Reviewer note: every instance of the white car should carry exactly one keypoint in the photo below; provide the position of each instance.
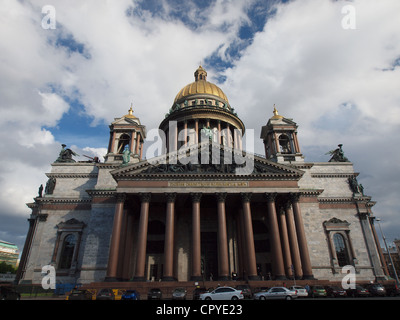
(276, 293)
(222, 293)
(301, 291)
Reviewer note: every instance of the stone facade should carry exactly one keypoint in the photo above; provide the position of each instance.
(133, 219)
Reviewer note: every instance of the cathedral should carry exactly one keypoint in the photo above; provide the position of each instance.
(203, 208)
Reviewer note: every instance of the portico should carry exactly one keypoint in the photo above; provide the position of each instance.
(207, 222)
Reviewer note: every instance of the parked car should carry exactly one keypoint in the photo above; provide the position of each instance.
(179, 294)
(317, 291)
(392, 290)
(154, 294)
(197, 292)
(80, 295)
(334, 291)
(276, 293)
(376, 289)
(359, 291)
(105, 294)
(246, 290)
(222, 293)
(130, 295)
(9, 293)
(301, 291)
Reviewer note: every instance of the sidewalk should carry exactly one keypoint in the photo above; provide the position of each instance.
(38, 297)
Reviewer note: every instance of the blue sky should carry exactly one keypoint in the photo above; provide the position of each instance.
(66, 85)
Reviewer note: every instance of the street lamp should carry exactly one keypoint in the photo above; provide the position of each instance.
(387, 249)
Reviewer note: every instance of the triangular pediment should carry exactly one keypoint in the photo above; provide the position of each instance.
(282, 121)
(215, 163)
(125, 121)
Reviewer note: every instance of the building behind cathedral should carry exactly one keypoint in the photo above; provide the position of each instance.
(205, 208)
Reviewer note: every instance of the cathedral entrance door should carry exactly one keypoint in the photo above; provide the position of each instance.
(209, 255)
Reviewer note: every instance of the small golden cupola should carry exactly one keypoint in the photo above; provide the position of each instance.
(126, 133)
(200, 74)
(130, 114)
(280, 139)
(276, 114)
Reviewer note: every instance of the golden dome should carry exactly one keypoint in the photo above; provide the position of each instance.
(130, 114)
(200, 86)
(276, 115)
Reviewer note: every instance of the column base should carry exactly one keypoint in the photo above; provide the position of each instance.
(196, 278)
(280, 277)
(309, 277)
(138, 279)
(254, 278)
(169, 279)
(111, 279)
(224, 278)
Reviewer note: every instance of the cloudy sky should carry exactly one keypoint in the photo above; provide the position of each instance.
(333, 69)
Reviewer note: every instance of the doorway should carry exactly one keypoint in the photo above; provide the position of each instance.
(209, 255)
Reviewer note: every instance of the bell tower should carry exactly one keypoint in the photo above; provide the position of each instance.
(126, 138)
(280, 139)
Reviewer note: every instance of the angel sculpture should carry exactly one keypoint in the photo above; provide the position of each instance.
(337, 155)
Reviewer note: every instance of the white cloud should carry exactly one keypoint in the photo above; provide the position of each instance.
(340, 86)
(99, 56)
(53, 108)
(307, 64)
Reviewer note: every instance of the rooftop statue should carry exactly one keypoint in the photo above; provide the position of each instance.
(337, 155)
(66, 155)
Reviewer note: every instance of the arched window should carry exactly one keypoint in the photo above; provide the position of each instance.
(123, 142)
(67, 251)
(284, 144)
(341, 250)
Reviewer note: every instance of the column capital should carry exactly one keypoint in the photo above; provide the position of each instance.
(121, 197)
(287, 205)
(270, 197)
(170, 196)
(196, 197)
(221, 196)
(294, 197)
(145, 197)
(246, 197)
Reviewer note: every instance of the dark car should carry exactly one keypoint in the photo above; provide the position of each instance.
(197, 292)
(105, 294)
(359, 291)
(130, 295)
(179, 294)
(317, 291)
(80, 295)
(334, 291)
(376, 289)
(154, 294)
(246, 290)
(392, 290)
(9, 293)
